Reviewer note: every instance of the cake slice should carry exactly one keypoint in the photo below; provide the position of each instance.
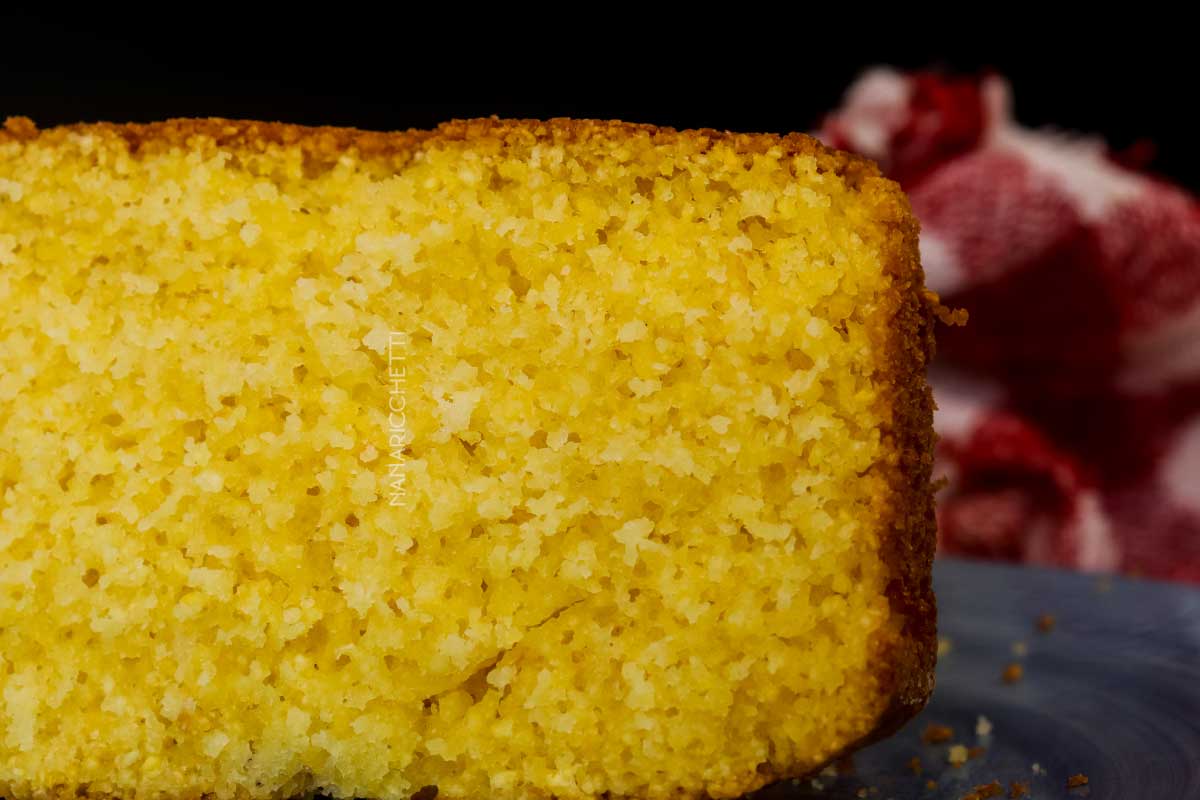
(511, 459)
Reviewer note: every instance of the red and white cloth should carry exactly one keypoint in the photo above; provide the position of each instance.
(1069, 405)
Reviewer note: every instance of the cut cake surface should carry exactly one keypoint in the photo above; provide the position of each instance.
(516, 459)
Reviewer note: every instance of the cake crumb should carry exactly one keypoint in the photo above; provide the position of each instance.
(957, 755)
(1038, 769)
(1045, 623)
(1013, 673)
(267, 360)
(1018, 789)
(983, 727)
(1020, 649)
(936, 734)
(955, 317)
(914, 765)
(931, 784)
(985, 790)
(1075, 781)
(944, 646)
(976, 751)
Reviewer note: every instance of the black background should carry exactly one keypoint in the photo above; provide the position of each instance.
(350, 66)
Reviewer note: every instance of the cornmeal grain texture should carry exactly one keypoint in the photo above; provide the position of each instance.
(662, 522)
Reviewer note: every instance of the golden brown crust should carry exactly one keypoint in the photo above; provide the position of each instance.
(328, 142)
(909, 548)
(904, 335)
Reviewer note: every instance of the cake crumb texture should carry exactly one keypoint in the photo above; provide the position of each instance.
(665, 527)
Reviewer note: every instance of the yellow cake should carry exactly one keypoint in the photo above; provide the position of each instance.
(515, 459)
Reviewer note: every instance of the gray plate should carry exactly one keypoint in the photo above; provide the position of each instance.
(1112, 692)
